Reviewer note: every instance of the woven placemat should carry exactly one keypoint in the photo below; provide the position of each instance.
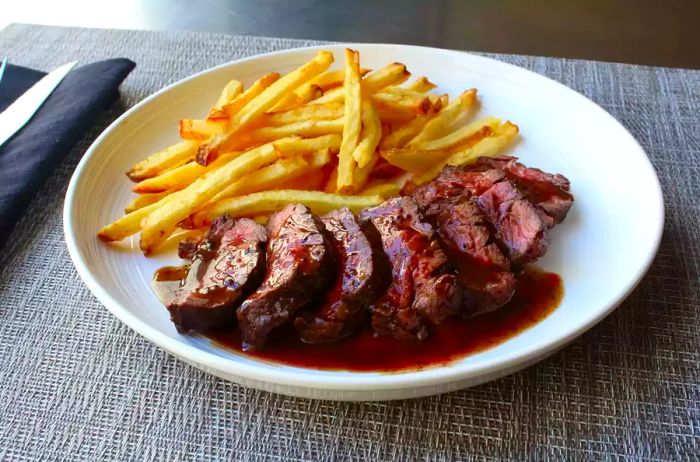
(75, 384)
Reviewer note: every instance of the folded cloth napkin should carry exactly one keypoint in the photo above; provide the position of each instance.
(29, 157)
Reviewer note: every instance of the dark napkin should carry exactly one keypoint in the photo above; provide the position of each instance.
(29, 157)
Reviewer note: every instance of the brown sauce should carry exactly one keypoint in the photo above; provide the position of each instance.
(537, 294)
(166, 281)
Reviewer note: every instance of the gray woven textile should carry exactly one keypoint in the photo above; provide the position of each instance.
(75, 384)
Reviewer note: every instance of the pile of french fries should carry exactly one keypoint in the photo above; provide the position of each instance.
(324, 138)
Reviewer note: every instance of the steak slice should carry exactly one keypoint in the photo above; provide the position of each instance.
(363, 274)
(468, 239)
(421, 289)
(483, 271)
(520, 225)
(226, 266)
(299, 263)
(549, 192)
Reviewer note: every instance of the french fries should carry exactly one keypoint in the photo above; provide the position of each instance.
(414, 160)
(261, 103)
(364, 153)
(327, 138)
(143, 200)
(405, 132)
(272, 201)
(228, 94)
(172, 156)
(489, 146)
(459, 136)
(308, 112)
(386, 189)
(179, 205)
(392, 74)
(230, 91)
(193, 129)
(179, 177)
(441, 123)
(303, 128)
(352, 124)
(277, 173)
(229, 110)
(422, 85)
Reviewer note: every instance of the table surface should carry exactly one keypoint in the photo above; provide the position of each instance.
(662, 33)
(76, 384)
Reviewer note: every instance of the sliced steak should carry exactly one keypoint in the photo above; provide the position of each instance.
(421, 289)
(363, 273)
(520, 226)
(226, 266)
(483, 271)
(468, 238)
(299, 264)
(549, 192)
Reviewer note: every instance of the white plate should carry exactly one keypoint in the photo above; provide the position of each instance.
(601, 251)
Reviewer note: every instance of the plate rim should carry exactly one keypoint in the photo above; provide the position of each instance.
(351, 380)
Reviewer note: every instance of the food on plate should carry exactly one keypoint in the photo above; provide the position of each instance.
(224, 268)
(422, 288)
(269, 136)
(363, 272)
(451, 248)
(299, 264)
(325, 203)
(269, 201)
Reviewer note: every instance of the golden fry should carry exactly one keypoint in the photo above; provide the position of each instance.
(257, 106)
(275, 92)
(142, 200)
(162, 222)
(195, 129)
(414, 160)
(274, 174)
(304, 113)
(230, 91)
(422, 85)
(181, 176)
(361, 174)
(458, 136)
(327, 80)
(441, 123)
(386, 189)
(400, 105)
(299, 98)
(310, 180)
(352, 120)
(487, 147)
(371, 134)
(393, 74)
(404, 133)
(306, 145)
(265, 178)
(271, 201)
(305, 128)
(228, 110)
(130, 223)
(170, 157)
